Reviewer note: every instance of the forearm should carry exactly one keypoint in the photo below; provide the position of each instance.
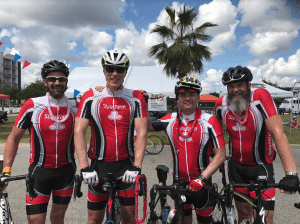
(215, 163)
(140, 144)
(81, 148)
(285, 152)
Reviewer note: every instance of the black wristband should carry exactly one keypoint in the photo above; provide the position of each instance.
(86, 169)
(202, 178)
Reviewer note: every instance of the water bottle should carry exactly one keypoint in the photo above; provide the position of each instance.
(230, 215)
(171, 216)
(166, 211)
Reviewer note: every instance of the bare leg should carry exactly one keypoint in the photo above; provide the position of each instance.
(37, 218)
(245, 211)
(95, 216)
(58, 212)
(128, 214)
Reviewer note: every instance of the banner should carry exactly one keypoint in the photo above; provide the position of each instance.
(157, 102)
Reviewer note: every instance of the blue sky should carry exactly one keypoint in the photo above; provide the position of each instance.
(260, 34)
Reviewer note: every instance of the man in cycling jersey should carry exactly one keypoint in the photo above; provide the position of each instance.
(252, 120)
(49, 120)
(194, 135)
(113, 115)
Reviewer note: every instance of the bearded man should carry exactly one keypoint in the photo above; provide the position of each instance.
(252, 120)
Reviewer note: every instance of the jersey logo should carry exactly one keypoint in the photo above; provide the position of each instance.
(239, 127)
(114, 116)
(57, 126)
(185, 130)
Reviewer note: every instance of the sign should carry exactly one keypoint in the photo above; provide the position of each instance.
(257, 85)
(157, 102)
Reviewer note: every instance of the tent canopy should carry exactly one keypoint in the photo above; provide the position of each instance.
(4, 97)
(150, 78)
(208, 98)
(275, 92)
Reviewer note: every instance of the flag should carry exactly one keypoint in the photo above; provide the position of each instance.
(76, 92)
(1, 43)
(17, 57)
(26, 63)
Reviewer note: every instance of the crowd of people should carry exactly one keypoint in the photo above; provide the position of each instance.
(57, 128)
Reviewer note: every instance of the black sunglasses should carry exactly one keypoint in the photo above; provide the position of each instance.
(118, 69)
(53, 79)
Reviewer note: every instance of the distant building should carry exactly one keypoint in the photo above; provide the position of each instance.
(10, 73)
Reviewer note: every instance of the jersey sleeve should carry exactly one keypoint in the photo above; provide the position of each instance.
(216, 133)
(84, 108)
(218, 108)
(23, 119)
(141, 104)
(267, 106)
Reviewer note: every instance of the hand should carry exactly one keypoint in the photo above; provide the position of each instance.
(290, 183)
(131, 174)
(145, 94)
(4, 185)
(196, 185)
(99, 88)
(89, 176)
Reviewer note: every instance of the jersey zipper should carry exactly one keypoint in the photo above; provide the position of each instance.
(116, 133)
(241, 159)
(56, 129)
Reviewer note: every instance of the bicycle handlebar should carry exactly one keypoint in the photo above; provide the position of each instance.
(12, 178)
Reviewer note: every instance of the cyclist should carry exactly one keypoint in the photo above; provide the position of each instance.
(50, 120)
(252, 120)
(194, 136)
(113, 114)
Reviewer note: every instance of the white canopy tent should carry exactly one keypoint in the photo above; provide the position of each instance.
(150, 78)
(275, 92)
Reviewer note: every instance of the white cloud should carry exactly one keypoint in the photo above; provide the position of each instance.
(67, 13)
(273, 28)
(223, 13)
(213, 82)
(279, 71)
(72, 45)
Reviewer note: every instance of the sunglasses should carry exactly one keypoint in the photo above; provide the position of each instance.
(118, 69)
(53, 79)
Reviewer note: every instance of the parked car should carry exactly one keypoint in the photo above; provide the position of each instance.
(3, 116)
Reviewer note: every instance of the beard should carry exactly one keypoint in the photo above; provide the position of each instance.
(238, 105)
(57, 95)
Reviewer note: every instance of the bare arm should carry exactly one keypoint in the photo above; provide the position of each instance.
(275, 127)
(141, 139)
(81, 125)
(215, 163)
(11, 147)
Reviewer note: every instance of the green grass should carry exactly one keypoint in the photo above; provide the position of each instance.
(5, 129)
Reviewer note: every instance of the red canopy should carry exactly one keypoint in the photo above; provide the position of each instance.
(4, 97)
(208, 98)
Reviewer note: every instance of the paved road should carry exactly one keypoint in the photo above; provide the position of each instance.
(284, 211)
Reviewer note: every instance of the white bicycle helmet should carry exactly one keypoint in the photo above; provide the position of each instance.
(188, 83)
(115, 58)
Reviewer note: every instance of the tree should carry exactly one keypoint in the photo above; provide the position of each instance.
(275, 85)
(34, 89)
(185, 53)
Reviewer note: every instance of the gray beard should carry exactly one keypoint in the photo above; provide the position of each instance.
(238, 105)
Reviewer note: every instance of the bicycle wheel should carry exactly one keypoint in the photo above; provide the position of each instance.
(218, 216)
(154, 145)
(117, 210)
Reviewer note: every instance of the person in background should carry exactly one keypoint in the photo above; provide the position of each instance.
(252, 121)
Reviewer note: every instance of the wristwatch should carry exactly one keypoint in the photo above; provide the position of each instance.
(291, 174)
(202, 178)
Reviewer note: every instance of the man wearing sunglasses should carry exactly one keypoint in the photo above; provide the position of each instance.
(113, 115)
(252, 121)
(50, 121)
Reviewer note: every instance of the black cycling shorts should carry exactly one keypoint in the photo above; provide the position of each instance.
(97, 198)
(202, 203)
(58, 181)
(240, 173)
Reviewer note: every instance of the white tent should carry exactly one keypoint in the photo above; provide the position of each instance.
(275, 92)
(150, 78)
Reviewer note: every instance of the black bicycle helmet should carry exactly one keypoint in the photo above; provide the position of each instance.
(115, 58)
(237, 74)
(54, 66)
(189, 83)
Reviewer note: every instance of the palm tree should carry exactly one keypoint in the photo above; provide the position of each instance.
(185, 53)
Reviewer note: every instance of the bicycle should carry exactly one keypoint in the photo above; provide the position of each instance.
(154, 145)
(5, 213)
(177, 191)
(113, 215)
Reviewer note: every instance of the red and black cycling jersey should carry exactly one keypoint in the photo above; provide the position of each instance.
(52, 143)
(250, 143)
(191, 155)
(112, 121)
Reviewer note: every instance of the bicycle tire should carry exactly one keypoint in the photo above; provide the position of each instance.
(117, 210)
(154, 145)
